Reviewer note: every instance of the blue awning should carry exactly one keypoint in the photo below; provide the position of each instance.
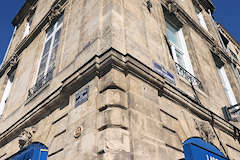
(35, 151)
(198, 149)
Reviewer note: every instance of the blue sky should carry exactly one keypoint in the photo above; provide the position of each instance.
(227, 13)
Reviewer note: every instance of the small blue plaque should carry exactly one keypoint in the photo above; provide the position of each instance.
(81, 97)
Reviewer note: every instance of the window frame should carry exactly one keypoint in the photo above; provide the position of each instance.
(28, 24)
(227, 86)
(201, 19)
(56, 27)
(182, 49)
(6, 92)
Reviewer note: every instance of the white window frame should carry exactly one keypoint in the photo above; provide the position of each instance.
(6, 92)
(236, 73)
(227, 86)
(28, 26)
(56, 27)
(201, 19)
(182, 49)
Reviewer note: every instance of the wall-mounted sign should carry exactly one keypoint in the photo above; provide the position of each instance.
(163, 72)
(81, 96)
(198, 149)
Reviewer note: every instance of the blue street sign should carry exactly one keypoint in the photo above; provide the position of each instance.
(198, 149)
(163, 72)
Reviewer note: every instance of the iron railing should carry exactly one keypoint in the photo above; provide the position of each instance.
(42, 82)
(188, 76)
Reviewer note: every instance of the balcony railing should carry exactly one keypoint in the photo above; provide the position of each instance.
(41, 83)
(188, 76)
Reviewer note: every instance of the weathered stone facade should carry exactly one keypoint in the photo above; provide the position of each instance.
(106, 53)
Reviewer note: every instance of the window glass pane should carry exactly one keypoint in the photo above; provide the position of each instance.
(57, 37)
(173, 34)
(47, 47)
(42, 65)
(50, 30)
(60, 20)
(30, 20)
(179, 58)
(54, 53)
(227, 86)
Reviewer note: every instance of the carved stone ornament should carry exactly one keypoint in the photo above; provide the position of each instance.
(12, 63)
(215, 49)
(205, 130)
(14, 60)
(55, 12)
(25, 138)
(173, 8)
(78, 132)
(197, 4)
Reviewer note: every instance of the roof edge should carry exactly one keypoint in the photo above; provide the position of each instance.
(207, 4)
(23, 12)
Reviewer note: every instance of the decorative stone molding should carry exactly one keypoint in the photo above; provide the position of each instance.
(25, 138)
(197, 4)
(78, 132)
(173, 8)
(12, 63)
(98, 66)
(205, 130)
(56, 10)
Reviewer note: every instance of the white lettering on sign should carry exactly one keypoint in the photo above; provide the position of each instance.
(211, 158)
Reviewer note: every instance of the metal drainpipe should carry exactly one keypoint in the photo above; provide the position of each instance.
(5, 56)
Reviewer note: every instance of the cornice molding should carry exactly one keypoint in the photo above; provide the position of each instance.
(207, 4)
(98, 66)
(229, 36)
(23, 12)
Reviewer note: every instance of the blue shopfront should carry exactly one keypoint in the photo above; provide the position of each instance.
(198, 149)
(35, 151)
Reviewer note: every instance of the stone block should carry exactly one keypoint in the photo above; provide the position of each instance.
(144, 149)
(113, 116)
(112, 97)
(145, 106)
(113, 78)
(88, 125)
(113, 140)
(135, 85)
(115, 156)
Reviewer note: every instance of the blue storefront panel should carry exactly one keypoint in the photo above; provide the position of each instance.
(198, 149)
(35, 151)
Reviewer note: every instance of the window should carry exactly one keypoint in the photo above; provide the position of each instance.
(178, 47)
(28, 25)
(236, 72)
(50, 50)
(6, 92)
(227, 87)
(201, 19)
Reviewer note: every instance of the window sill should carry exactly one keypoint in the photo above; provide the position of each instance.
(29, 99)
